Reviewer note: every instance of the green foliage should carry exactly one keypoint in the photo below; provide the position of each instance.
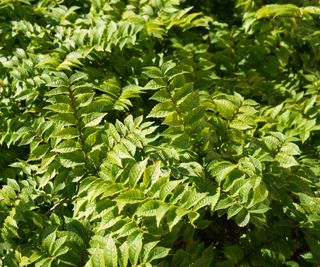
(159, 133)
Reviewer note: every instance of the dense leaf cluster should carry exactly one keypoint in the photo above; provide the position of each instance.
(159, 133)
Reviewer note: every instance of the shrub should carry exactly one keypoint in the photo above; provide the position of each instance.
(159, 133)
